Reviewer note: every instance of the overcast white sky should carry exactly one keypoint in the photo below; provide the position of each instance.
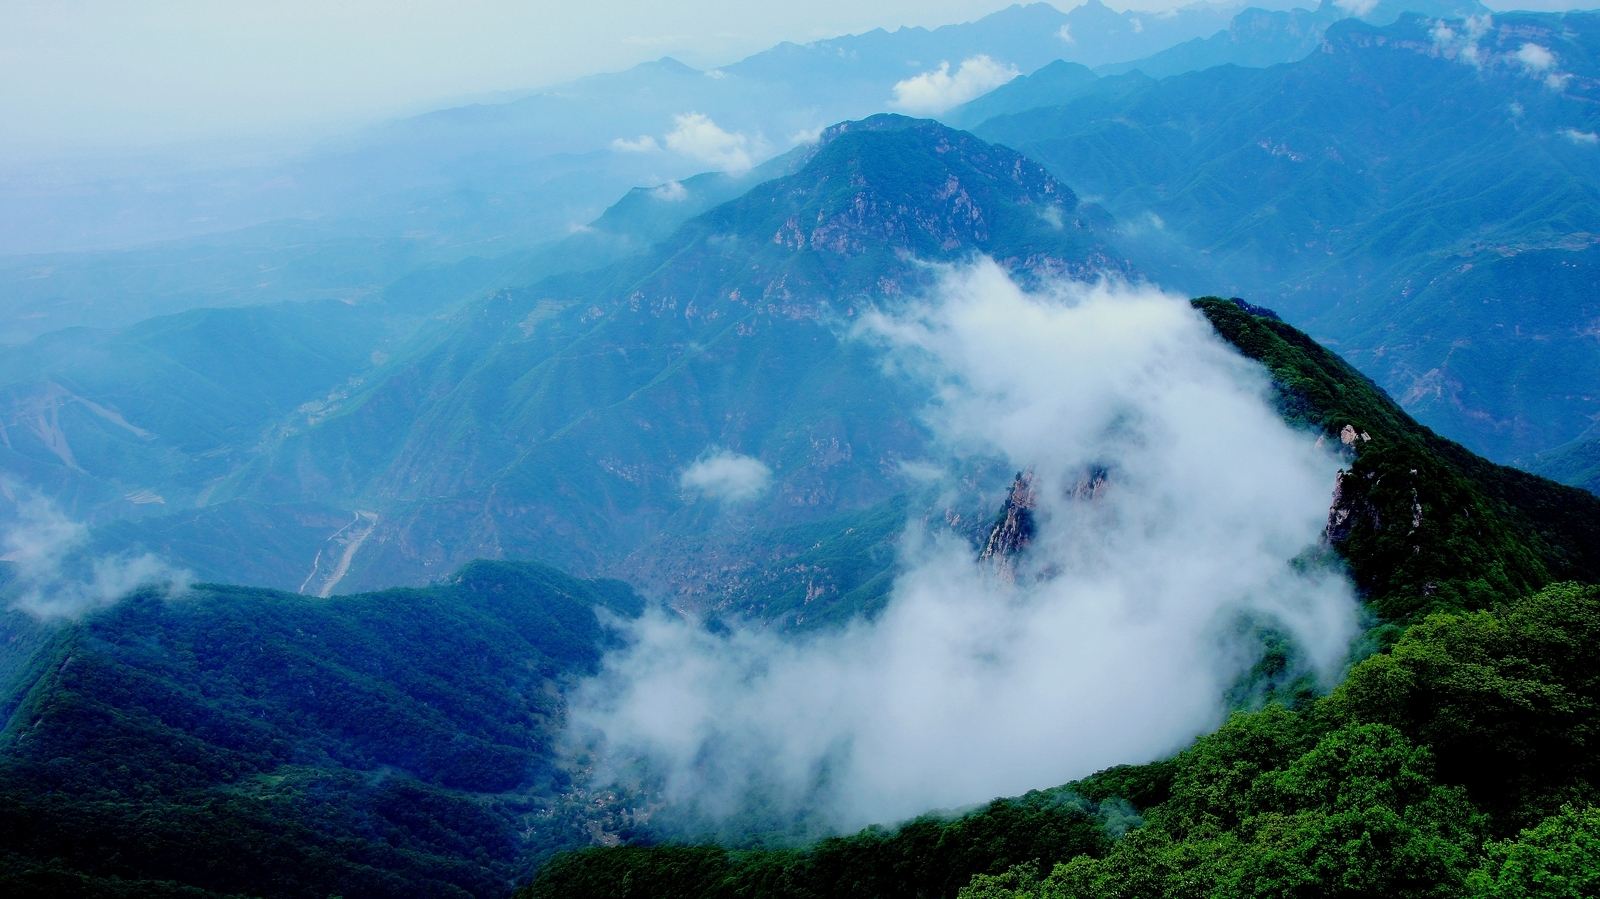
(116, 73)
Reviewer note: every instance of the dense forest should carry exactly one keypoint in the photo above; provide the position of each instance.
(240, 741)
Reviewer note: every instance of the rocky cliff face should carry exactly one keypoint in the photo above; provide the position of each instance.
(1351, 508)
(1016, 526)
(1365, 502)
(870, 198)
(1014, 529)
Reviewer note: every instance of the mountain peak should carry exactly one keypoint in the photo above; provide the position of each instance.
(895, 182)
(880, 122)
(869, 199)
(1026, 12)
(667, 65)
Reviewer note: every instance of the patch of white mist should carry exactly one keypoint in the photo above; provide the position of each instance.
(52, 579)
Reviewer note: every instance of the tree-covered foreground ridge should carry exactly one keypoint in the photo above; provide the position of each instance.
(1456, 758)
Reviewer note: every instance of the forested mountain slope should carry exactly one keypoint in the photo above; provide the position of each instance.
(236, 741)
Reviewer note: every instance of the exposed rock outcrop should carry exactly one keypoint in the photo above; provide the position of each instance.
(1351, 508)
(1014, 529)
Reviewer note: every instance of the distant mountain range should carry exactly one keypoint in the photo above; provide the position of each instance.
(518, 425)
(1257, 37)
(1412, 209)
(1421, 195)
(478, 178)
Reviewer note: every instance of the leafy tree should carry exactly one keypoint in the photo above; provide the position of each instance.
(1509, 700)
(1557, 859)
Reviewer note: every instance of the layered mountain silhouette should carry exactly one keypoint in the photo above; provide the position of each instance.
(567, 410)
(1421, 195)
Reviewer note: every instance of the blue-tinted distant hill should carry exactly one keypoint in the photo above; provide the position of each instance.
(522, 169)
(1577, 463)
(1257, 38)
(1051, 85)
(1424, 196)
(1026, 36)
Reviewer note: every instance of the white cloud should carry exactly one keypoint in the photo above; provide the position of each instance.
(671, 192)
(1356, 7)
(1583, 138)
(644, 143)
(1476, 28)
(806, 136)
(1141, 225)
(727, 476)
(1065, 34)
(696, 136)
(937, 90)
(1462, 45)
(1535, 58)
(1128, 618)
(51, 577)
(1557, 81)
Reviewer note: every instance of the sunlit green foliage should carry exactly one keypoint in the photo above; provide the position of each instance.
(1557, 859)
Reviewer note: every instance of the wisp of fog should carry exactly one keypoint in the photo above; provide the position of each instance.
(1136, 608)
(52, 578)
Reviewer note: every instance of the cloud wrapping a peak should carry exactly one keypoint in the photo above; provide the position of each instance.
(671, 192)
(1137, 607)
(940, 89)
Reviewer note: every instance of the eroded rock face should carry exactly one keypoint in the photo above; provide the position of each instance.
(1014, 529)
(1091, 486)
(1349, 436)
(1359, 492)
(1350, 509)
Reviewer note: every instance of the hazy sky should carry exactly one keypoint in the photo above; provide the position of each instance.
(114, 73)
